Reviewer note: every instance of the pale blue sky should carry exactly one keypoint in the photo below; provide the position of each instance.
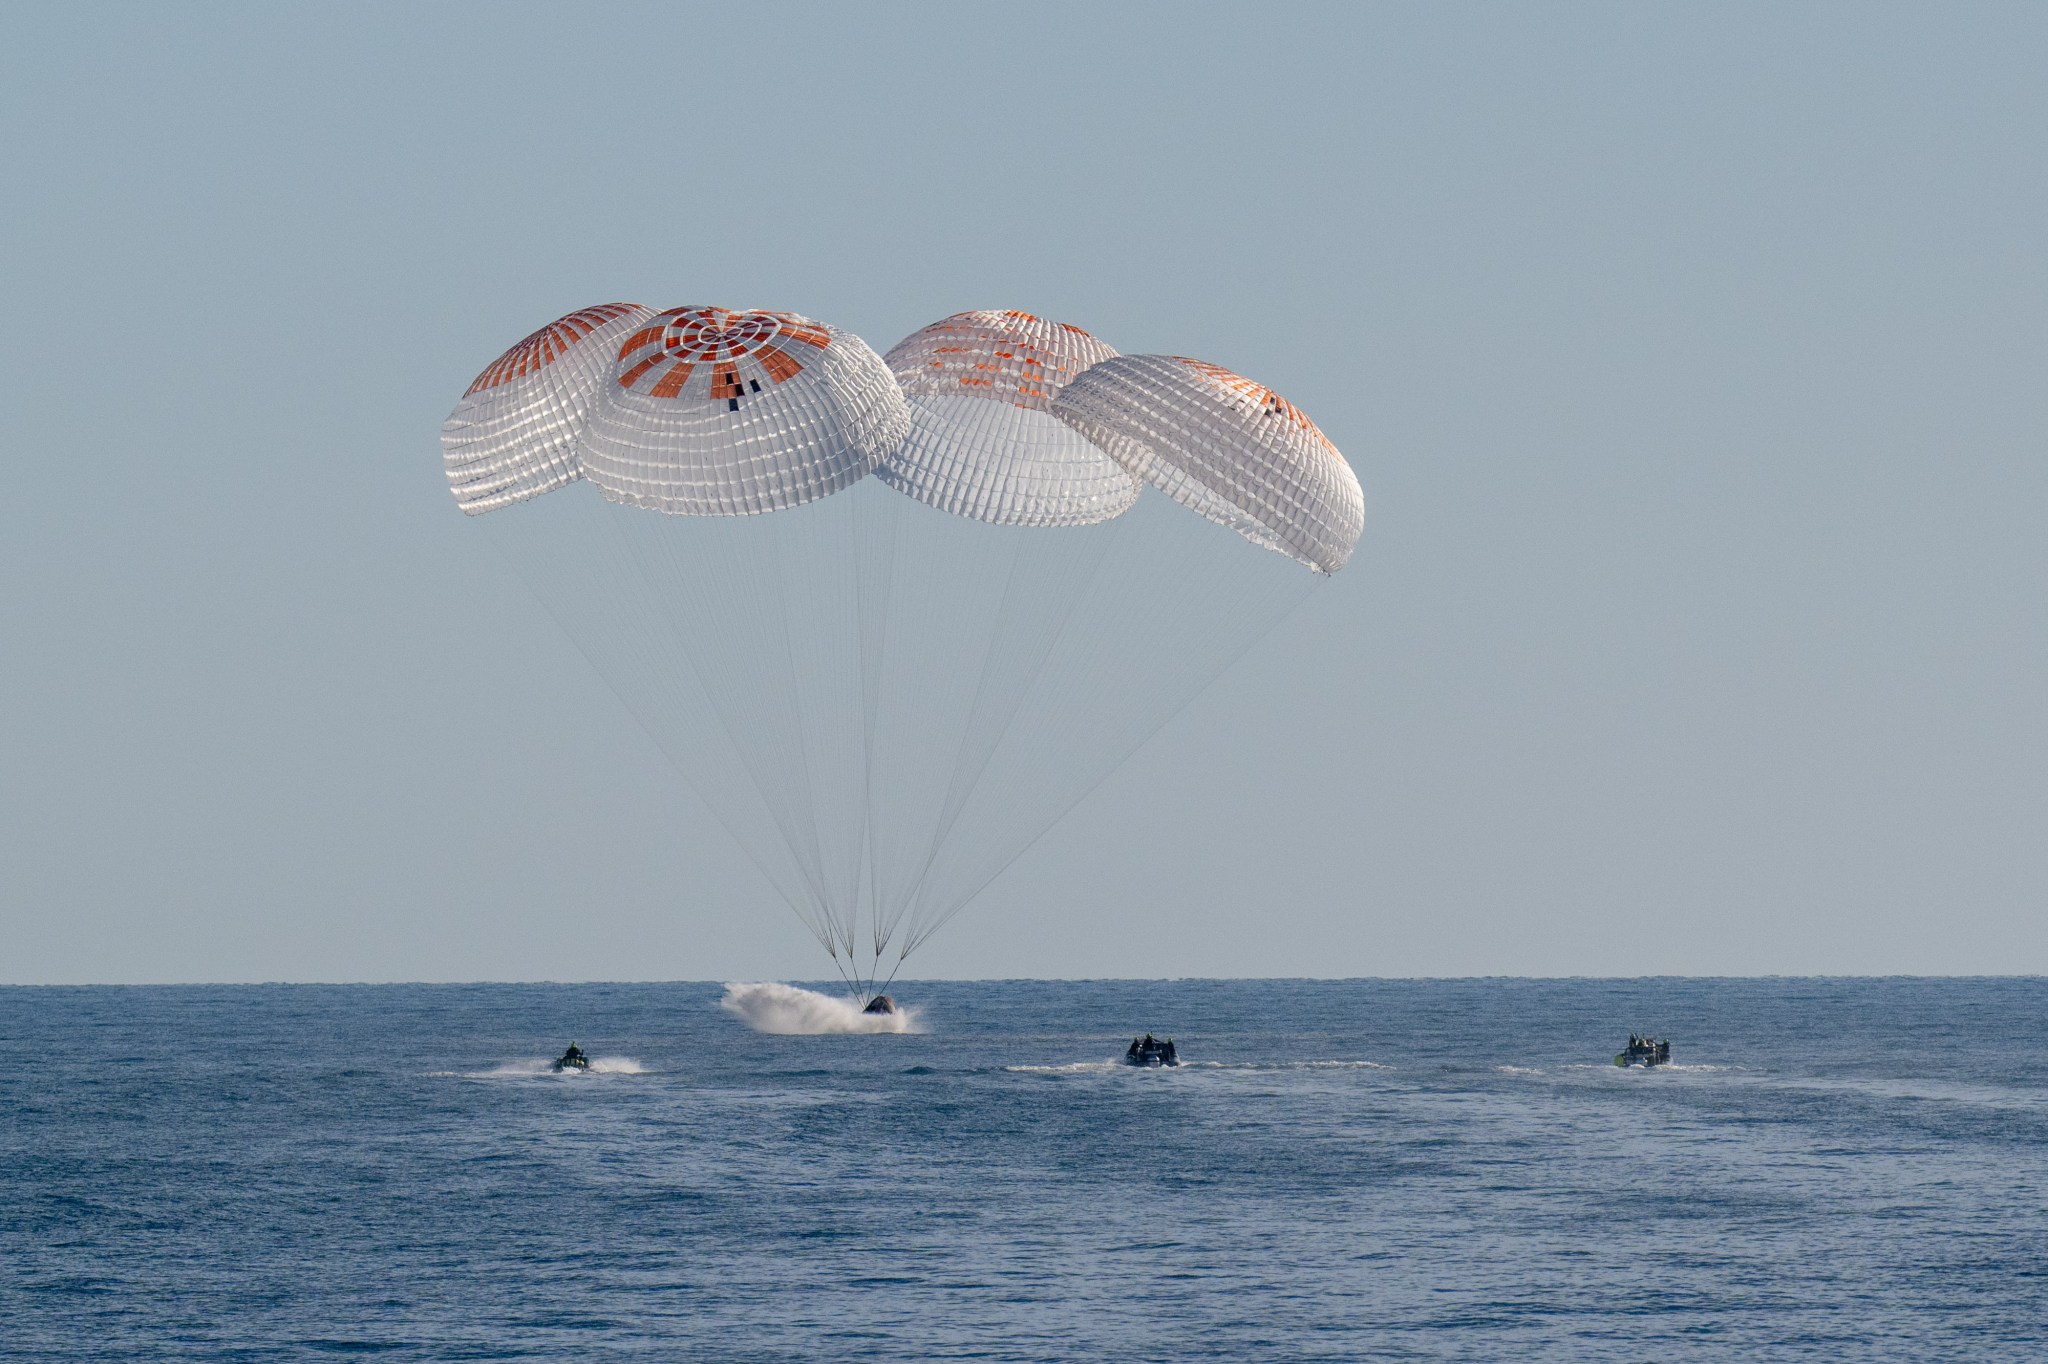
(1691, 358)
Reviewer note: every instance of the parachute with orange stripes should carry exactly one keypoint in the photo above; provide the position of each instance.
(892, 618)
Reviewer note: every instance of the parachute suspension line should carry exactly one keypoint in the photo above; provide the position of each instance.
(498, 528)
(1076, 574)
(659, 541)
(872, 583)
(1070, 575)
(1046, 670)
(778, 702)
(946, 627)
(687, 590)
(930, 924)
(1117, 762)
(728, 603)
(849, 978)
(812, 625)
(1162, 630)
(840, 651)
(801, 729)
(887, 706)
(1042, 556)
(898, 577)
(893, 969)
(820, 624)
(687, 586)
(1080, 572)
(939, 830)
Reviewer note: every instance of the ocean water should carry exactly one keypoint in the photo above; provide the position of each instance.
(1833, 1169)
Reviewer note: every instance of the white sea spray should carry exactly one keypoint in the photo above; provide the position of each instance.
(769, 1006)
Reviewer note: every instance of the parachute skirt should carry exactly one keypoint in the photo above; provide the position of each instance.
(1005, 465)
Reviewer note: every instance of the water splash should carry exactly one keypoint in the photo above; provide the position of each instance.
(768, 1006)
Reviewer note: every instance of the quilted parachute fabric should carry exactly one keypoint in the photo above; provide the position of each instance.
(513, 435)
(983, 442)
(715, 412)
(1226, 447)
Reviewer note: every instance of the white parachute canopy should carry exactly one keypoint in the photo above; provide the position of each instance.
(711, 412)
(513, 435)
(983, 441)
(1233, 450)
(887, 688)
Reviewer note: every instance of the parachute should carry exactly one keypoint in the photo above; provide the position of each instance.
(1235, 451)
(983, 441)
(892, 618)
(513, 435)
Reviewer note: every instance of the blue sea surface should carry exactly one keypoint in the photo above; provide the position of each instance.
(1833, 1169)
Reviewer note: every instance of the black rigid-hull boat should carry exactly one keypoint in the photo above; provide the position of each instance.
(573, 1059)
(1644, 1052)
(1151, 1051)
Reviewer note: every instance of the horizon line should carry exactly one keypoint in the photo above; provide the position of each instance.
(1008, 980)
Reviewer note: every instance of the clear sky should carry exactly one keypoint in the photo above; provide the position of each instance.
(1692, 359)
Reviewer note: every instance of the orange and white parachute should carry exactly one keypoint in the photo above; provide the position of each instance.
(983, 442)
(892, 618)
(516, 432)
(1001, 417)
(1233, 450)
(711, 412)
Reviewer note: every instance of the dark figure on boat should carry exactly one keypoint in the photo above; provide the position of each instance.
(880, 1004)
(573, 1059)
(1150, 1051)
(1644, 1051)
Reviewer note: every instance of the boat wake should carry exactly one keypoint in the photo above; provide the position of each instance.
(1117, 1065)
(768, 1006)
(1285, 1065)
(542, 1066)
(1609, 1068)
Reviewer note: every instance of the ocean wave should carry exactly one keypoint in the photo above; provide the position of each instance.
(1961, 1092)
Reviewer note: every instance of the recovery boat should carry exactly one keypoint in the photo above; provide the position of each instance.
(1644, 1052)
(1151, 1051)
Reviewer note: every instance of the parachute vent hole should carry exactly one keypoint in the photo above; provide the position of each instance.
(754, 384)
(732, 404)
